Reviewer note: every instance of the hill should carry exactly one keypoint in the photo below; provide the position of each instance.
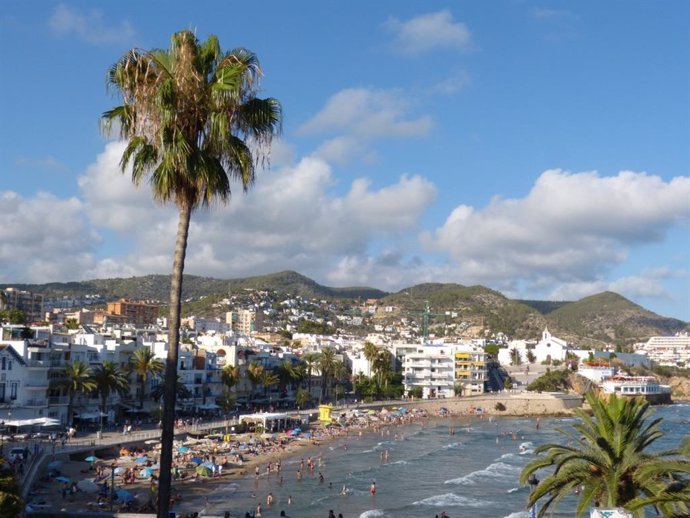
(604, 317)
(610, 317)
(494, 310)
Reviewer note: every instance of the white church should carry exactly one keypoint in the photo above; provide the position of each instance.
(549, 348)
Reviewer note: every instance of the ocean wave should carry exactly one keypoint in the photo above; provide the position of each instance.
(451, 446)
(517, 514)
(513, 489)
(526, 445)
(495, 470)
(371, 513)
(505, 456)
(527, 452)
(450, 499)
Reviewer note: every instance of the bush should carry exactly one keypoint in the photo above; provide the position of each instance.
(500, 407)
(552, 381)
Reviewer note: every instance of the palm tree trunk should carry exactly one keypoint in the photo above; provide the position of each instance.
(103, 405)
(169, 389)
(141, 392)
(70, 404)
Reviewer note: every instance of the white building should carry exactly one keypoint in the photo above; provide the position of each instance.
(667, 350)
(431, 367)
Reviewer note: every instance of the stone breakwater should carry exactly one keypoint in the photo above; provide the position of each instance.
(504, 404)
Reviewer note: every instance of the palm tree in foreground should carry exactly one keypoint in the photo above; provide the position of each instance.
(189, 115)
(144, 363)
(77, 379)
(607, 460)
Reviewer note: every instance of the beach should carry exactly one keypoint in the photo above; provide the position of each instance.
(192, 490)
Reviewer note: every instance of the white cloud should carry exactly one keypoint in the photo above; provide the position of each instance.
(288, 221)
(89, 27)
(568, 231)
(49, 163)
(452, 84)
(359, 116)
(43, 238)
(368, 113)
(429, 32)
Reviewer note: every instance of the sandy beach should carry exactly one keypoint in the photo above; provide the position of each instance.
(239, 459)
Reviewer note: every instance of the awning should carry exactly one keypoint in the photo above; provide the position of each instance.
(208, 406)
(91, 415)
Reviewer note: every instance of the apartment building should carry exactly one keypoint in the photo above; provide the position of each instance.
(245, 321)
(31, 304)
(470, 369)
(667, 350)
(139, 313)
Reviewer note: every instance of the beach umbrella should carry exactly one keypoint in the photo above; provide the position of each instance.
(124, 495)
(182, 449)
(141, 460)
(88, 486)
(156, 466)
(208, 465)
(91, 458)
(203, 470)
(119, 470)
(55, 464)
(197, 460)
(152, 441)
(63, 479)
(146, 472)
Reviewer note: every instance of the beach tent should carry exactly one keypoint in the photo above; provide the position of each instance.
(88, 486)
(124, 495)
(146, 472)
(204, 471)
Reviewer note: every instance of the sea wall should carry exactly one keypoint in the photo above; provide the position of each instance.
(514, 404)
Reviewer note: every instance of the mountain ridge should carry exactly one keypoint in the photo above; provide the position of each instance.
(602, 317)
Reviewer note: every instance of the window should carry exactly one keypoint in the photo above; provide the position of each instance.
(4, 360)
(13, 391)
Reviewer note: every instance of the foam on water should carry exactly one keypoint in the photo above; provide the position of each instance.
(517, 514)
(372, 513)
(450, 499)
(495, 470)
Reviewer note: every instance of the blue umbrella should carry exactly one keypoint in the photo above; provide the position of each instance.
(208, 464)
(119, 470)
(183, 449)
(63, 479)
(141, 460)
(146, 472)
(91, 458)
(197, 460)
(124, 495)
(55, 464)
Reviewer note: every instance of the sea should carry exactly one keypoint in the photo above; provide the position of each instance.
(471, 473)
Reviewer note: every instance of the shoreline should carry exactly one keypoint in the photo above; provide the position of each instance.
(192, 492)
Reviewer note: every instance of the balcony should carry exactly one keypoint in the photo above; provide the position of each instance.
(40, 402)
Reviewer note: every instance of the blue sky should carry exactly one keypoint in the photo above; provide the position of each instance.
(540, 149)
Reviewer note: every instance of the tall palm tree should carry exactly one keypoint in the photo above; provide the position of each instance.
(108, 379)
(269, 379)
(230, 376)
(607, 459)
(76, 379)
(288, 373)
(190, 114)
(327, 362)
(144, 363)
(370, 353)
(255, 373)
(310, 361)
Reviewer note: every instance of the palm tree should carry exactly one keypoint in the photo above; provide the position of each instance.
(76, 379)
(370, 353)
(269, 379)
(108, 378)
(288, 373)
(181, 390)
(11, 503)
(310, 361)
(607, 459)
(255, 373)
(230, 376)
(143, 363)
(189, 115)
(382, 367)
(327, 362)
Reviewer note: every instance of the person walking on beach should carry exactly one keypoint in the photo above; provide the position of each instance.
(331, 514)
